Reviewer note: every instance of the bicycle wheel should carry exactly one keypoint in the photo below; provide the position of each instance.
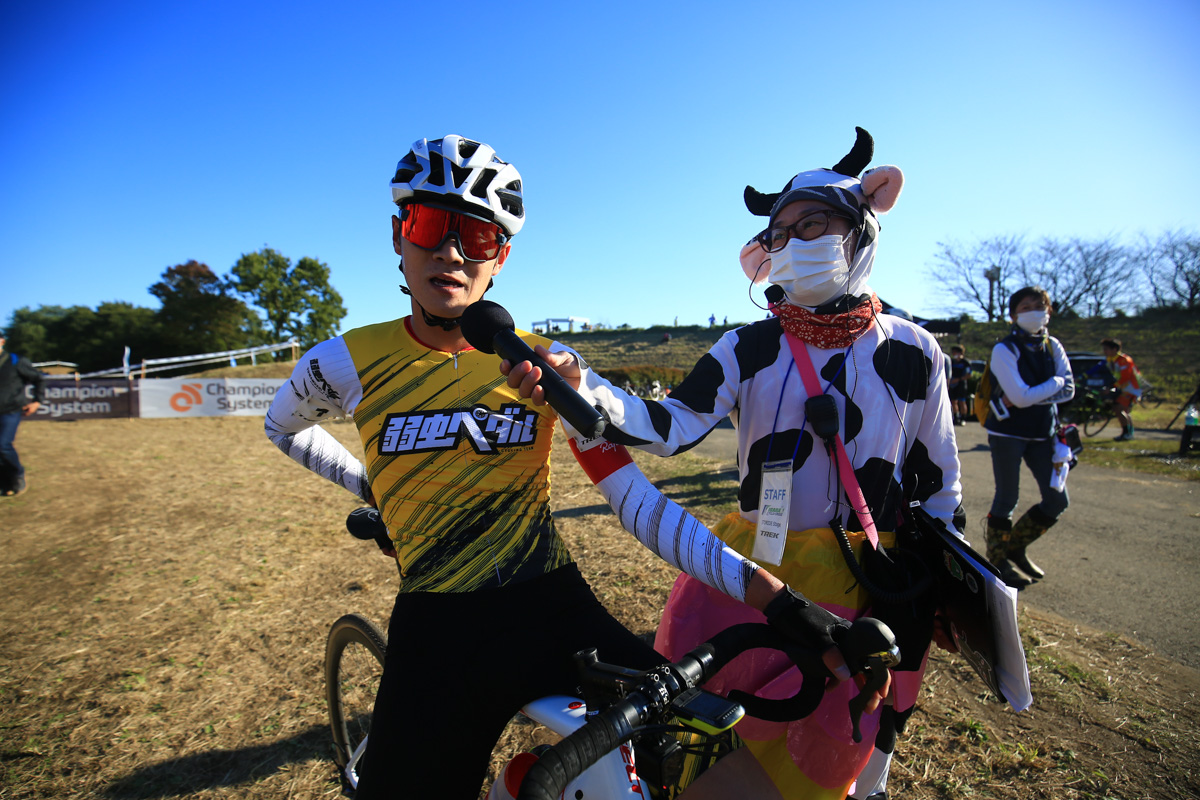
(354, 655)
(1095, 422)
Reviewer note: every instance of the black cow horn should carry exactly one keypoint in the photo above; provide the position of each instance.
(758, 203)
(859, 156)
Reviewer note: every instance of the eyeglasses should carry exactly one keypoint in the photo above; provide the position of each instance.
(428, 227)
(807, 228)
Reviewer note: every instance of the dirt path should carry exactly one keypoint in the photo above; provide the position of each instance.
(168, 585)
(1123, 559)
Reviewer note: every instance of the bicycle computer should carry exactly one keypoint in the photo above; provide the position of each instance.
(705, 711)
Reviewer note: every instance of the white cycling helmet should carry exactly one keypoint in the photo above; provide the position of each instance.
(463, 175)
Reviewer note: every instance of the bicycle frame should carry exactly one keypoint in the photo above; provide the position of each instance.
(614, 776)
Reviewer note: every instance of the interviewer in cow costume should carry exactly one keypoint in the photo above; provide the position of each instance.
(887, 380)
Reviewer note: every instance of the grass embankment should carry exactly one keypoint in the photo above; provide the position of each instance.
(1165, 345)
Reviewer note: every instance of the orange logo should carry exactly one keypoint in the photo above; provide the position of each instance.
(186, 398)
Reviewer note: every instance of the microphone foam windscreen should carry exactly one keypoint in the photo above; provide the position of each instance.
(482, 321)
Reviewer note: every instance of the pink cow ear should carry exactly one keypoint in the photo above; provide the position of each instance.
(756, 262)
(882, 187)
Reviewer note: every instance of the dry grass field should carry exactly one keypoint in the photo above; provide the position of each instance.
(167, 587)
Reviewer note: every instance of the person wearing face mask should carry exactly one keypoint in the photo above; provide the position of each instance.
(1032, 374)
(887, 380)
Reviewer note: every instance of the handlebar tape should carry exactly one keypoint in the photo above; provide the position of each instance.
(569, 758)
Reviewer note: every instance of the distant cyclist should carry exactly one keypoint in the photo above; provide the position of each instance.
(1128, 386)
(459, 467)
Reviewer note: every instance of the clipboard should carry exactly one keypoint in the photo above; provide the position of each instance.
(980, 607)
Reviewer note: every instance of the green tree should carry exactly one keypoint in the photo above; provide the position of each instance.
(297, 301)
(199, 314)
(93, 339)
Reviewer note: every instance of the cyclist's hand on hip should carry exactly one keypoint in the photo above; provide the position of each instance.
(524, 376)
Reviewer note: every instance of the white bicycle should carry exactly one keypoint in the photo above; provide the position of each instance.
(620, 737)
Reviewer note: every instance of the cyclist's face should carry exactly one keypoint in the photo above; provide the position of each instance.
(441, 280)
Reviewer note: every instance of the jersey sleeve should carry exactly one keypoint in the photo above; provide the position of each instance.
(670, 426)
(661, 524)
(324, 385)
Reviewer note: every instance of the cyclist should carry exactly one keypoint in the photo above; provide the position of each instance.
(1128, 386)
(887, 378)
(1033, 374)
(458, 465)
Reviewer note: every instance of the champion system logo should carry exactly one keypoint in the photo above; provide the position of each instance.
(186, 398)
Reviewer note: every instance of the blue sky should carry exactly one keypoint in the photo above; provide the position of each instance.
(135, 136)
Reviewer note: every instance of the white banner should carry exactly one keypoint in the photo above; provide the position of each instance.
(207, 397)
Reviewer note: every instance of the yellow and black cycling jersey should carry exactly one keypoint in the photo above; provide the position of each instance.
(457, 463)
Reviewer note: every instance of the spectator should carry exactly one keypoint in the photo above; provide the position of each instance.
(1032, 374)
(1128, 386)
(960, 371)
(15, 374)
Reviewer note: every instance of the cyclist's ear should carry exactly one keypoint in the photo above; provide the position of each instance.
(501, 258)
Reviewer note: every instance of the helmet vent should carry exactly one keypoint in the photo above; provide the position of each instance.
(437, 169)
(460, 174)
(467, 148)
(482, 183)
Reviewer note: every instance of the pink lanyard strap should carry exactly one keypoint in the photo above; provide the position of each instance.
(808, 374)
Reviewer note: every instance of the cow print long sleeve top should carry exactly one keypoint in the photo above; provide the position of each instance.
(894, 416)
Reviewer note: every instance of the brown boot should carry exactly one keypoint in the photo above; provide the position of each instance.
(1025, 532)
(999, 543)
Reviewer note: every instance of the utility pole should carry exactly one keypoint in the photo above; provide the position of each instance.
(993, 278)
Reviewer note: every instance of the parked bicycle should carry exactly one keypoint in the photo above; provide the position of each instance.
(620, 737)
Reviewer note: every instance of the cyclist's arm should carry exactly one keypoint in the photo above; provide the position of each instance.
(323, 385)
(680, 539)
(1016, 391)
(680, 421)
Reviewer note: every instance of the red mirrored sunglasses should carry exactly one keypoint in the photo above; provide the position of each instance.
(428, 227)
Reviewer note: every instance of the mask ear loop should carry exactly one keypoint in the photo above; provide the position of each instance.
(750, 288)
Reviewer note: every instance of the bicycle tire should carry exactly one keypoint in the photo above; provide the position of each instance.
(1096, 422)
(354, 655)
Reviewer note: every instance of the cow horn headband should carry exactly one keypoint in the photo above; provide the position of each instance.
(854, 162)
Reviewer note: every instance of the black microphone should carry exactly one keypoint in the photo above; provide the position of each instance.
(490, 329)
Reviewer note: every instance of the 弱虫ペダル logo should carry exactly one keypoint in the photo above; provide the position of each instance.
(513, 425)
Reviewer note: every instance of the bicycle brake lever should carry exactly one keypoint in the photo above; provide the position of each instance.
(875, 672)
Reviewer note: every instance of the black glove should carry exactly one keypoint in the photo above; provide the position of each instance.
(805, 622)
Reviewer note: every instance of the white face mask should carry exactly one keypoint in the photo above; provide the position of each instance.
(1032, 321)
(811, 273)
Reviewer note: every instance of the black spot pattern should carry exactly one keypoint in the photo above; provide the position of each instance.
(757, 347)
(698, 391)
(782, 445)
(832, 371)
(877, 477)
(905, 368)
(922, 477)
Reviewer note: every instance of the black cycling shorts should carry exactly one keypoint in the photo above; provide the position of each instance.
(460, 665)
